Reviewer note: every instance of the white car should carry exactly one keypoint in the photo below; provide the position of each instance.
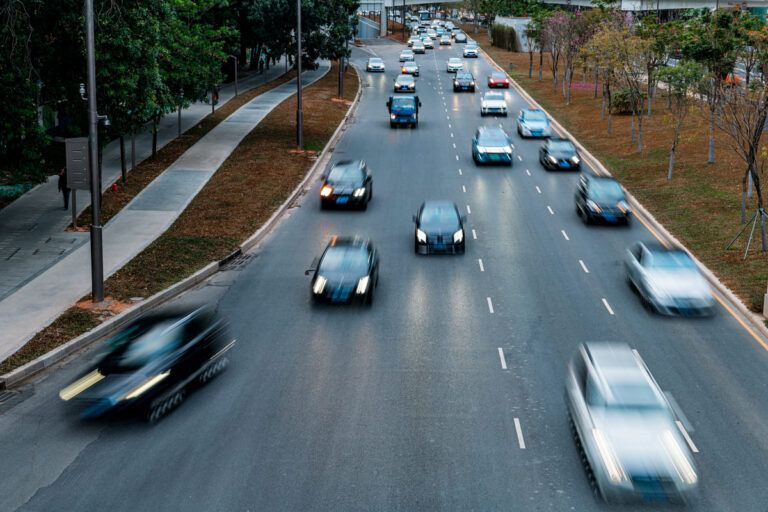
(406, 55)
(445, 40)
(453, 65)
(413, 40)
(470, 51)
(418, 47)
(428, 43)
(493, 103)
(375, 64)
(432, 34)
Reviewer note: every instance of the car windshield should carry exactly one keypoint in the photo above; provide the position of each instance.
(535, 115)
(606, 190)
(634, 395)
(671, 260)
(404, 79)
(561, 146)
(146, 343)
(345, 174)
(494, 96)
(498, 76)
(375, 61)
(464, 76)
(492, 138)
(454, 61)
(442, 214)
(403, 102)
(343, 259)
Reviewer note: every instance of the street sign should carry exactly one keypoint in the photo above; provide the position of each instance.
(78, 176)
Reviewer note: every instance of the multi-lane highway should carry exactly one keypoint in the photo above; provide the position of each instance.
(447, 394)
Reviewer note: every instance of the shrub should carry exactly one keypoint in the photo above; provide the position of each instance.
(504, 37)
(621, 101)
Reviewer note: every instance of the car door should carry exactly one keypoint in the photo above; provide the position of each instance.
(633, 263)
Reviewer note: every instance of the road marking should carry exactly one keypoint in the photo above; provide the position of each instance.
(583, 266)
(688, 439)
(447, 117)
(446, 110)
(538, 189)
(449, 125)
(519, 158)
(551, 211)
(527, 172)
(474, 235)
(469, 210)
(451, 134)
(490, 304)
(565, 235)
(454, 145)
(607, 306)
(457, 157)
(460, 172)
(480, 262)
(464, 189)
(519, 430)
(502, 359)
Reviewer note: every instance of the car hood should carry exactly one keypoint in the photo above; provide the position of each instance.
(563, 155)
(535, 125)
(342, 279)
(679, 284)
(439, 228)
(494, 103)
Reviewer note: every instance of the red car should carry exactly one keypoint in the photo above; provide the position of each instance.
(498, 79)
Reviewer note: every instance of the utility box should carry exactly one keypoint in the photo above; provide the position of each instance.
(78, 174)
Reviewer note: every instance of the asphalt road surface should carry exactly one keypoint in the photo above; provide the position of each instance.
(447, 394)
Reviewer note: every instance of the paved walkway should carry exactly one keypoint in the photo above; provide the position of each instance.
(147, 216)
(32, 236)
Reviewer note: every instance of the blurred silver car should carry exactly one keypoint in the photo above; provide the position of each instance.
(625, 426)
(428, 43)
(493, 103)
(668, 280)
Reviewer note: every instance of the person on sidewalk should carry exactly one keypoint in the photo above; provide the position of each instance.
(63, 186)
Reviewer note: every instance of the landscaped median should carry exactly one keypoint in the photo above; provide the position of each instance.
(253, 182)
(700, 206)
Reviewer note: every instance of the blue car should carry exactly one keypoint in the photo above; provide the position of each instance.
(533, 122)
(491, 145)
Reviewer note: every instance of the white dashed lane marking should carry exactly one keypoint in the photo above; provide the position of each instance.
(480, 262)
(502, 359)
(584, 267)
(551, 211)
(565, 235)
(490, 304)
(607, 306)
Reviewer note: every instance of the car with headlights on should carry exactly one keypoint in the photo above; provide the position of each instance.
(439, 228)
(498, 79)
(428, 43)
(148, 367)
(626, 427)
(410, 68)
(460, 37)
(346, 272)
(470, 51)
(432, 33)
(493, 103)
(348, 184)
(453, 65)
(440, 32)
(491, 144)
(668, 280)
(445, 40)
(601, 198)
(418, 47)
(557, 153)
(464, 81)
(413, 40)
(405, 83)
(406, 55)
(375, 64)
(533, 122)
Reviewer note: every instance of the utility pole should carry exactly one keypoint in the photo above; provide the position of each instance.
(299, 135)
(97, 254)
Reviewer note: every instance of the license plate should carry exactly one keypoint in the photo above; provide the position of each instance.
(564, 164)
(342, 200)
(610, 218)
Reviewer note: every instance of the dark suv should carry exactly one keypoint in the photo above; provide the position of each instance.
(464, 81)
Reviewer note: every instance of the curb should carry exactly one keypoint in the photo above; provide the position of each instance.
(110, 326)
(730, 300)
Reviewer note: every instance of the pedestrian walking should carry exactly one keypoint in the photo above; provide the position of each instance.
(63, 186)
(261, 63)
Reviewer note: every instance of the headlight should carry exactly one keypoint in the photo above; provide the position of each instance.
(413, 116)
(362, 285)
(681, 462)
(326, 191)
(421, 236)
(319, 285)
(392, 116)
(458, 236)
(612, 465)
(472, 84)
(593, 206)
(623, 206)
(144, 386)
(552, 159)
(575, 160)
(80, 385)
(359, 192)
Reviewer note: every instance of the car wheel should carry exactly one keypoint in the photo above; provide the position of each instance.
(369, 297)
(392, 125)
(462, 247)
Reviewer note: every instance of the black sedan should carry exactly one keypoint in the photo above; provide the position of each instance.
(439, 228)
(150, 365)
(559, 154)
(464, 81)
(348, 184)
(601, 198)
(347, 271)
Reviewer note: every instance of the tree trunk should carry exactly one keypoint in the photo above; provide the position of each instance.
(565, 81)
(541, 63)
(155, 120)
(530, 64)
(760, 211)
(671, 162)
(341, 78)
(610, 108)
(744, 197)
(597, 75)
(669, 98)
(632, 129)
(750, 184)
(650, 90)
(640, 129)
(602, 107)
(122, 157)
(570, 87)
(711, 156)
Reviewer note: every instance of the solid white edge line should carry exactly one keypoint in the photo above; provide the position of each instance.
(502, 359)
(519, 430)
(551, 211)
(584, 266)
(564, 234)
(607, 306)
(688, 439)
(480, 262)
(538, 189)
(474, 235)
(490, 304)
(469, 210)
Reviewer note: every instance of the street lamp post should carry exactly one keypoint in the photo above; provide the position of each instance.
(97, 255)
(236, 62)
(299, 135)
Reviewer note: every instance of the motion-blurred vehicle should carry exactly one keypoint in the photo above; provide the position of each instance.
(493, 103)
(455, 30)
(498, 79)
(439, 228)
(418, 47)
(410, 68)
(428, 43)
(557, 153)
(626, 427)
(403, 110)
(445, 40)
(464, 81)
(668, 280)
(533, 122)
(454, 65)
(491, 144)
(150, 365)
(449, 26)
(405, 83)
(406, 55)
(470, 51)
(349, 183)
(347, 271)
(601, 198)
(431, 33)
(413, 40)
(460, 37)
(375, 64)
(440, 31)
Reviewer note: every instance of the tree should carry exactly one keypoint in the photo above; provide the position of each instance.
(555, 28)
(658, 38)
(682, 81)
(600, 52)
(533, 35)
(748, 28)
(341, 25)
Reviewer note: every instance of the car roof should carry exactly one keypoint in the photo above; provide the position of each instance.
(657, 247)
(616, 363)
(533, 110)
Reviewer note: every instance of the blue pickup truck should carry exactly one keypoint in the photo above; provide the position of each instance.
(403, 110)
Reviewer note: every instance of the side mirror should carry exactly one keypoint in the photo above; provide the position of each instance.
(419, 103)
(313, 266)
(308, 271)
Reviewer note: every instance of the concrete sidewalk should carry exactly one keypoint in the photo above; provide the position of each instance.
(40, 301)
(32, 236)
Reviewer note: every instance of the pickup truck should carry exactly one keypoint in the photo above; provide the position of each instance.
(403, 110)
